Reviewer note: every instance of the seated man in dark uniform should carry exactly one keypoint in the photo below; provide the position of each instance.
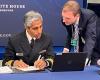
(24, 49)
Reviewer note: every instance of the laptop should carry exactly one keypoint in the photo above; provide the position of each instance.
(69, 62)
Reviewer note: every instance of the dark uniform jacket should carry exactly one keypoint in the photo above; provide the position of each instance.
(19, 48)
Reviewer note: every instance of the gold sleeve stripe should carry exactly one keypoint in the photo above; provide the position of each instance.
(51, 60)
(8, 63)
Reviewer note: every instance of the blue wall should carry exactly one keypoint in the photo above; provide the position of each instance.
(11, 20)
(2, 50)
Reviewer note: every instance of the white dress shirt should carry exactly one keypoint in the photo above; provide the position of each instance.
(29, 37)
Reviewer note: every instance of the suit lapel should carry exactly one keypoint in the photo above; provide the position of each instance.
(25, 44)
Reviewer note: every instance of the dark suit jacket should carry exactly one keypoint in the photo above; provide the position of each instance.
(19, 44)
(96, 52)
(87, 31)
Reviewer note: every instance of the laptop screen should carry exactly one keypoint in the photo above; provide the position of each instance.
(69, 62)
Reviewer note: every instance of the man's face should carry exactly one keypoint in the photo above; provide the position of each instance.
(68, 17)
(35, 30)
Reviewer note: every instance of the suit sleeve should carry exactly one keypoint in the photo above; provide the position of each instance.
(51, 54)
(90, 35)
(9, 53)
(68, 36)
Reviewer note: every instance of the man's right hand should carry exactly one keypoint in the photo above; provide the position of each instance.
(19, 64)
(98, 62)
(65, 50)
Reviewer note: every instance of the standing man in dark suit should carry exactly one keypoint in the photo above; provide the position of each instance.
(81, 28)
(32, 47)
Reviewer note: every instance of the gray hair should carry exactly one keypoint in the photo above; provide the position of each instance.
(30, 16)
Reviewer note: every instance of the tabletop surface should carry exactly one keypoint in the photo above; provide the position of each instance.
(89, 73)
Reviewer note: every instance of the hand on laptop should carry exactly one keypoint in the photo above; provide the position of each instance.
(98, 62)
(65, 50)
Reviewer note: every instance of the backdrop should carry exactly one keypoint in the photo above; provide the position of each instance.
(12, 12)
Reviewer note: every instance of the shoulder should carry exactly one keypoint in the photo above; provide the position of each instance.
(87, 13)
(17, 37)
(46, 36)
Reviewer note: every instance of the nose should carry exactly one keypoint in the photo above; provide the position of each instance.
(39, 30)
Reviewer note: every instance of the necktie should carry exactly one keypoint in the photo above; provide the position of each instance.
(75, 39)
(32, 43)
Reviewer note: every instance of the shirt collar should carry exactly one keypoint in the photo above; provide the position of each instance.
(77, 22)
(29, 37)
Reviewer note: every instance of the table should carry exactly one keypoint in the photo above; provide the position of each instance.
(89, 73)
